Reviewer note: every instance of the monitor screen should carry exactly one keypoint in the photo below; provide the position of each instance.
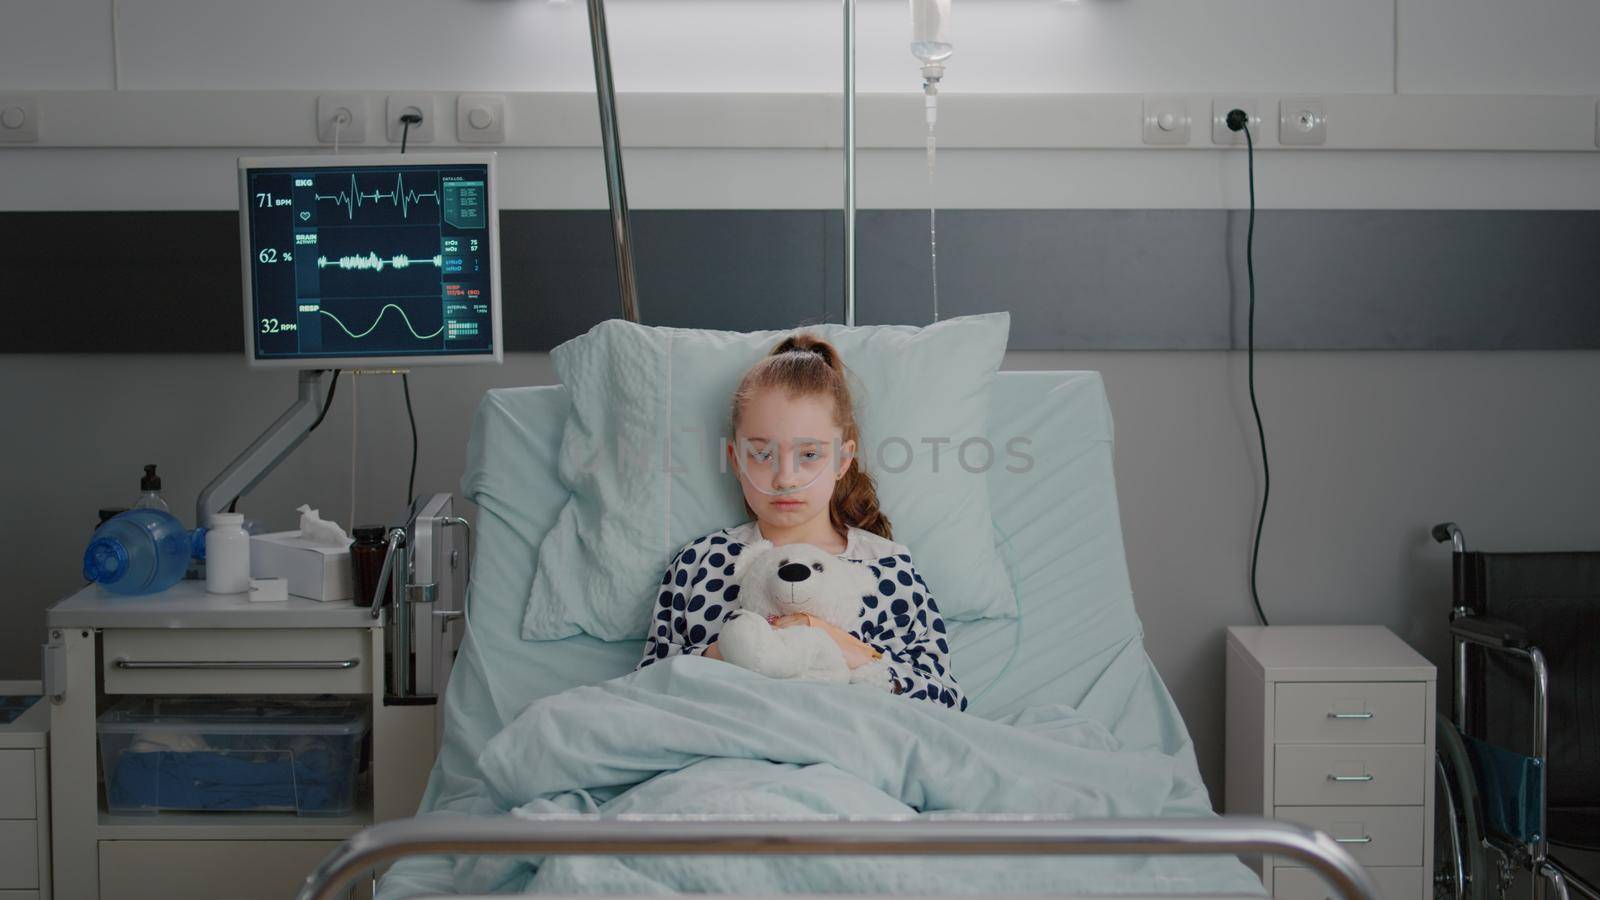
(370, 261)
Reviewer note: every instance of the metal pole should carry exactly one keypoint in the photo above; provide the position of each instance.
(611, 143)
(1541, 751)
(380, 844)
(850, 162)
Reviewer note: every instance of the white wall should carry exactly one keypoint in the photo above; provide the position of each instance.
(1368, 448)
(1325, 46)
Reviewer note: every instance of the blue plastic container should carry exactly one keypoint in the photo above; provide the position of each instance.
(141, 551)
(217, 754)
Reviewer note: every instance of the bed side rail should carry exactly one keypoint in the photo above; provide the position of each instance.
(684, 835)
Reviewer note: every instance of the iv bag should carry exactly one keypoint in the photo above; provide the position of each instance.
(930, 34)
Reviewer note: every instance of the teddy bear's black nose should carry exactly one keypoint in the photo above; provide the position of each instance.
(794, 572)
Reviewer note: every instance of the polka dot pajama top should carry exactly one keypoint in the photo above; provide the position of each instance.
(900, 620)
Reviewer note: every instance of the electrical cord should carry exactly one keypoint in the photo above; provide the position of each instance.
(1238, 120)
(326, 401)
(411, 482)
(408, 120)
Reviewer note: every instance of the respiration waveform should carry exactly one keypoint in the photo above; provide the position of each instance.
(400, 197)
(372, 262)
(381, 313)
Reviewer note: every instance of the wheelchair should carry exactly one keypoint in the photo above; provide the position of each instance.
(1518, 767)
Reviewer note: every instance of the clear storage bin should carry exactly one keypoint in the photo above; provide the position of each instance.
(232, 754)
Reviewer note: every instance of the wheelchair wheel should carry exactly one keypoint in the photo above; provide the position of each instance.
(1460, 858)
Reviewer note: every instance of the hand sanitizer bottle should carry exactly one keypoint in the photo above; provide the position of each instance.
(150, 491)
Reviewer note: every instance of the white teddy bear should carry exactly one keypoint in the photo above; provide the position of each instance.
(791, 579)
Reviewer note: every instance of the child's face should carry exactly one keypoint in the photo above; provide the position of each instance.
(783, 442)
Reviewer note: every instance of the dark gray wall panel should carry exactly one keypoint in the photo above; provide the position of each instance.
(98, 282)
(1108, 279)
(1175, 279)
(1072, 279)
(1427, 279)
(695, 268)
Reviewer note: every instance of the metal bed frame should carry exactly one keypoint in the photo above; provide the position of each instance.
(668, 835)
(387, 842)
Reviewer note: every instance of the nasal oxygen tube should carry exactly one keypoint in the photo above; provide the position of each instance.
(766, 458)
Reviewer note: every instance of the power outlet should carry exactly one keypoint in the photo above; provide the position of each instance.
(341, 119)
(1166, 121)
(1302, 121)
(400, 104)
(19, 119)
(481, 118)
(1220, 133)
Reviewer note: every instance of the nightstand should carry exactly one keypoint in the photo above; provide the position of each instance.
(186, 643)
(24, 792)
(1332, 727)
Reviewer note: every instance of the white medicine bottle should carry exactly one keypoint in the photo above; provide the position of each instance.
(227, 555)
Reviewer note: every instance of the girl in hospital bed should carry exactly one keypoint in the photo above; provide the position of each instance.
(794, 452)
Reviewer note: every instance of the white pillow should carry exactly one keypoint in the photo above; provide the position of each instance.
(641, 455)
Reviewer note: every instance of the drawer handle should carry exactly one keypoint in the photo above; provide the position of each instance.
(1361, 715)
(1349, 778)
(1364, 839)
(238, 664)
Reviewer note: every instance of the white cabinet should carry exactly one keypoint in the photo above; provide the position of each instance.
(186, 642)
(1332, 727)
(24, 797)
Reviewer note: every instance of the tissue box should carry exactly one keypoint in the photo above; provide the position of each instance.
(316, 571)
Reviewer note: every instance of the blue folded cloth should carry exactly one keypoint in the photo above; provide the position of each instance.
(320, 780)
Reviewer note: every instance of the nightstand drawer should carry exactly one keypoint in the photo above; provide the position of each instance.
(19, 854)
(1303, 884)
(1349, 775)
(238, 661)
(1350, 712)
(1374, 835)
(16, 784)
(202, 870)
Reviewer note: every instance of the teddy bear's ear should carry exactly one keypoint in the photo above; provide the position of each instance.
(747, 555)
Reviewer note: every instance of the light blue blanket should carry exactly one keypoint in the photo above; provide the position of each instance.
(698, 736)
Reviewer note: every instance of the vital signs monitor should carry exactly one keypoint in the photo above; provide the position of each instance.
(370, 261)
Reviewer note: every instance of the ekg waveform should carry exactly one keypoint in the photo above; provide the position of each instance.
(400, 197)
(381, 313)
(372, 262)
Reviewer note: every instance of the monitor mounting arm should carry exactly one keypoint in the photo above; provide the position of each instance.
(277, 442)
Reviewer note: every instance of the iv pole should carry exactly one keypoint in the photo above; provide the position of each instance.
(849, 162)
(611, 144)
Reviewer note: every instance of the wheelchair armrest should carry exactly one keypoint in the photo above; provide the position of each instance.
(1496, 634)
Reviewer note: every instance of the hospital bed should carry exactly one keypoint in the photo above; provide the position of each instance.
(1078, 642)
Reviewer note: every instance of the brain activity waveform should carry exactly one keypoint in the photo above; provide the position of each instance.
(399, 196)
(381, 313)
(372, 262)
